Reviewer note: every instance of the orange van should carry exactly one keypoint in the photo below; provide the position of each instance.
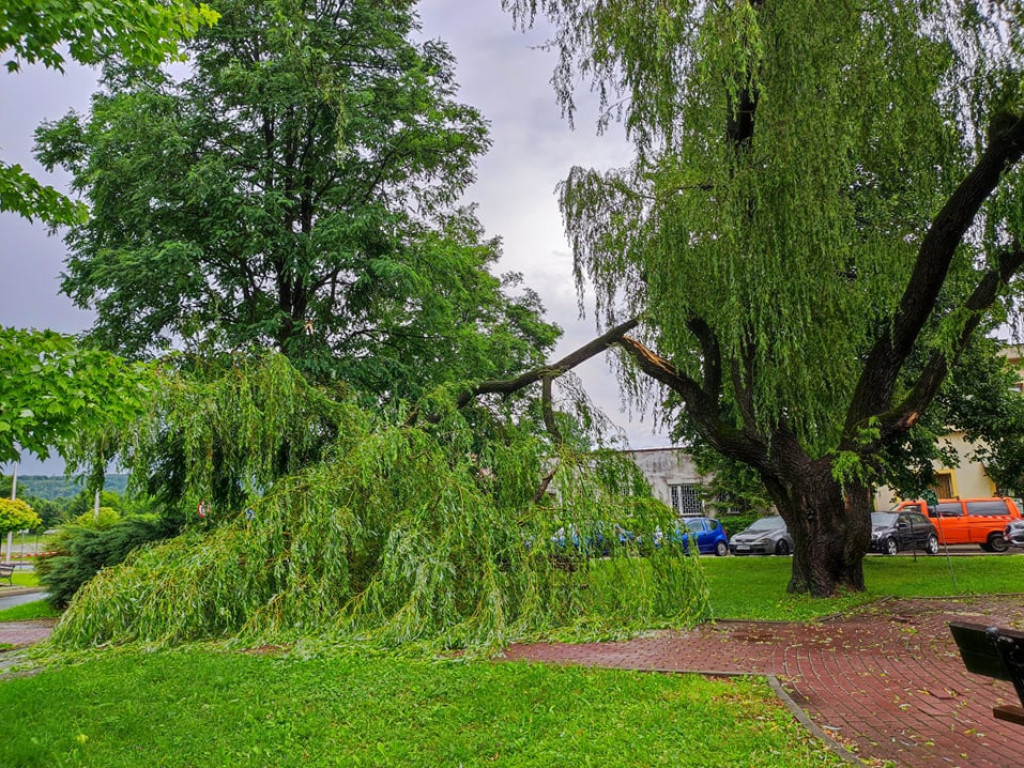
(969, 521)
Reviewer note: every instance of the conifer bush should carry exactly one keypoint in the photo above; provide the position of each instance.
(83, 551)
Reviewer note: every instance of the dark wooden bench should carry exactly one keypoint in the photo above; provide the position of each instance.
(994, 652)
(7, 572)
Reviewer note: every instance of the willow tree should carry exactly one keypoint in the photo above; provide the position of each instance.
(821, 191)
(377, 531)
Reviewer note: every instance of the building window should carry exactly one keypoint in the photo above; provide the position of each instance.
(944, 485)
(686, 500)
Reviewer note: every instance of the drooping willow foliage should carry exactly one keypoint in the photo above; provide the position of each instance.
(791, 155)
(395, 532)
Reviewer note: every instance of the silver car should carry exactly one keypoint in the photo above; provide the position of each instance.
(1014, 533)
(767, 536)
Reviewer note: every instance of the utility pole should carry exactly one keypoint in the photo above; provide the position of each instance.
(14, 495)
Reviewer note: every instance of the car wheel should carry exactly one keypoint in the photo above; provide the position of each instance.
(721, 549)
(891, 547)
(997, 542)
(932, 545)
(782, 548)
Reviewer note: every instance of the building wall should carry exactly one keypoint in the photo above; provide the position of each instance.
(968, 479)
(668, 467)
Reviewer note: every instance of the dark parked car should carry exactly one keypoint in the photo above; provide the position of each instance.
(709, 533)
(767, 536)
(1014, 533)
(893, 532)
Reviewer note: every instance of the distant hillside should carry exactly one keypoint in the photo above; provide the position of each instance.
(54, 487)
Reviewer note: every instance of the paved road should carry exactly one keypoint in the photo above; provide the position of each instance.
(886, 680)
(19, 597)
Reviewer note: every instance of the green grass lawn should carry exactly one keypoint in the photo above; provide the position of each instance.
(23, 578)
(216, 709)
(37, 609)
(208, 708)
(755, 587)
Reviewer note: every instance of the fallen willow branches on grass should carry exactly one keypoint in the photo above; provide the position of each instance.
(408, 536)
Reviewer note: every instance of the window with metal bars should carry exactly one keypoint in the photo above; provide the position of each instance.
(686, 500)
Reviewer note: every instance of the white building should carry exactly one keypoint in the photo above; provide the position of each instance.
(673, 477)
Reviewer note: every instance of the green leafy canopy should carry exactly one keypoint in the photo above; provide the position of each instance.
(794, 246)
(56, 393)
(296, 190)
(48, 32)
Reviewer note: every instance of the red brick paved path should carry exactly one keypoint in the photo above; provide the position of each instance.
(885, 680)
(22, 633)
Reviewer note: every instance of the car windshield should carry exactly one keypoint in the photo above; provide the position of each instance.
(883, 518)
(695, 525)
(767, 524)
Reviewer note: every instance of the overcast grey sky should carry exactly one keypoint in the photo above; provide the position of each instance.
(501, 71)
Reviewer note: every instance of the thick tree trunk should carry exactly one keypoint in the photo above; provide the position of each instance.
(830, 522)
(830, 526)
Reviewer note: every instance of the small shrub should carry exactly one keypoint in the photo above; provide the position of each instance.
(100, 520)
(16, 515)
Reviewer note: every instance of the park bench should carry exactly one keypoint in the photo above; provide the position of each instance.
(7, 572)
(994, 652)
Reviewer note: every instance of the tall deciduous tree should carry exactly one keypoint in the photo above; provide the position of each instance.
(297, 189)
(823, 193)
(48, 32)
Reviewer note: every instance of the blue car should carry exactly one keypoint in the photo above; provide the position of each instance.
(597, 539)
(709, 533)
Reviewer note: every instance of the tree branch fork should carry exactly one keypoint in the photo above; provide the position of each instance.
(886, 358)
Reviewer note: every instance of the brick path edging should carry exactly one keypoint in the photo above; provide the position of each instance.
(801, 717)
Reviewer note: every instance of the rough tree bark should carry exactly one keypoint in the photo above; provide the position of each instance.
(830, 525)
